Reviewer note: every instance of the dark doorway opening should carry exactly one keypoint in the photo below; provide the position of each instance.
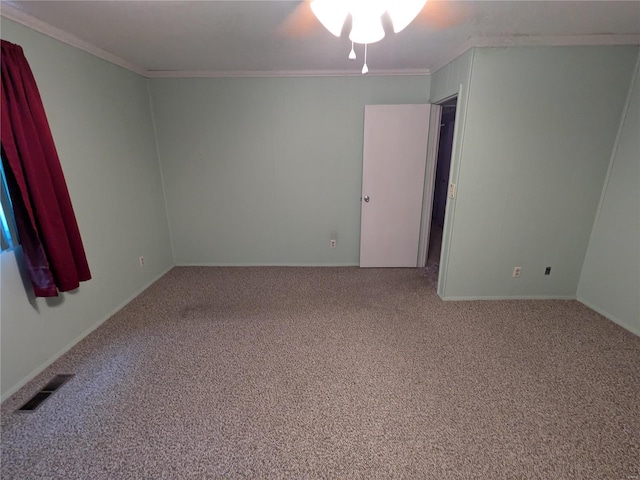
(441, 183)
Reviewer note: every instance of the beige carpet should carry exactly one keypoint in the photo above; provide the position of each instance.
(334, 373)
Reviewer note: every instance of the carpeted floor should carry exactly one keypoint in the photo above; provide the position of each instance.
(334, 373)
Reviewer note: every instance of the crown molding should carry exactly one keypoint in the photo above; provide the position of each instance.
(558, 41)
(537, 41)
(452, 55)
(18, 16)
(281, 73)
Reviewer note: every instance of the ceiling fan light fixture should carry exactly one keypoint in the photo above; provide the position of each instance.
(366, 29)
(366, 18)
(402, 13)
(331, 14)
(373, 8)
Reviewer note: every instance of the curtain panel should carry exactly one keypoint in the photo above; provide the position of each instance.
(46, 224)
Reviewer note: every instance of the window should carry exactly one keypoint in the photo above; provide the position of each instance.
(9, 237)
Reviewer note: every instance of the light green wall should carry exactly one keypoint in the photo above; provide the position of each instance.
(101, 122)
(262, 170)
(446, 81)
(610, 280)
(540, 123)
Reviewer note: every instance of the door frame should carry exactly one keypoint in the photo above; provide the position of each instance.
(429, 183)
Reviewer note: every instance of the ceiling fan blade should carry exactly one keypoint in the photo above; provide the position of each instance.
(301, 22)
(442, 14)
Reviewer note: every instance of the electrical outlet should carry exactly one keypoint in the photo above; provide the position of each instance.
(516, 272)
(141, 260)
(547, 271)
(333, 243)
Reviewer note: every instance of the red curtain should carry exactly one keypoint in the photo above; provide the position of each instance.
(45, 221)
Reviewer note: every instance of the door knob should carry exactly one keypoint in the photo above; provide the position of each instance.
(366, 198)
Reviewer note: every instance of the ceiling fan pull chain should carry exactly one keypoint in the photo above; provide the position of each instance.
(365, 69)
(352, 53)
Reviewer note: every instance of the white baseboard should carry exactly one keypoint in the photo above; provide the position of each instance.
(40, 368)
(515, 297)
(633, 329)
(266, 265)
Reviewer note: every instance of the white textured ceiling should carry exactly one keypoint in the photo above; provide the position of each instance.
(239, 36)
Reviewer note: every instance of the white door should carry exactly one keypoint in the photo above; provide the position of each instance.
(394, 157)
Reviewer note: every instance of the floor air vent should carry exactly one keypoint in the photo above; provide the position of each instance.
(45, 392)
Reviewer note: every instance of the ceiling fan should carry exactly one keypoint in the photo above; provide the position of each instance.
(367, 21)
